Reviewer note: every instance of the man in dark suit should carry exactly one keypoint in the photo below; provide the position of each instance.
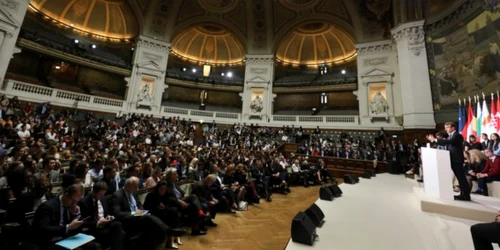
(261, 179)
(484, 234)
(100, 223)
(128, 209)
(454, 144)
(203, 191)
(59, 218)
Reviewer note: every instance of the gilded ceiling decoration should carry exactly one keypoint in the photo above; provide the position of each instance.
(298, 5)
(315, 43)
(218, 6)
(208, 43)
(104, 18)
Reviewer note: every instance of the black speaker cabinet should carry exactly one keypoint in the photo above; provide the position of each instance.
(372, 172)
(303, 229)
(366, 175)
(316, 215)
(337, 192)
(350, 179)
(392, 167)
(356, 178)
(325, 193)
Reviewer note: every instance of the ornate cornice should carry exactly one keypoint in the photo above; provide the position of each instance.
(412, 33)
(313, 89)
(153, 44)
(24, 43)
(460, 11)
(259, 59)
(376, 47)
(199, 85)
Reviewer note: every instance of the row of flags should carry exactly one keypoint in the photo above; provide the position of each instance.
(476, 117)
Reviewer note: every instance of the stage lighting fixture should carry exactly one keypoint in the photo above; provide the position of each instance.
(343, 72)
(193, 70)
(76, 41)
(184, 69)
(93, 46)
(229, 74)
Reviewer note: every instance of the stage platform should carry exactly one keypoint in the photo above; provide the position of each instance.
(384, 213)
(481, 208)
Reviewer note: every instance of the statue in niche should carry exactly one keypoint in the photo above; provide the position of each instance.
(379, 105)
(257, 105)
(144, 94)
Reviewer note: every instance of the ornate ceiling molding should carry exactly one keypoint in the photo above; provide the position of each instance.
(375, 47)
(412, 33)
(259, 59)
(453, 18)
(153, 44)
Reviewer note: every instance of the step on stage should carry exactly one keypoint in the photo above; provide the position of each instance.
(384, 213)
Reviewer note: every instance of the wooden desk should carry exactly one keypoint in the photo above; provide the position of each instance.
(341, 166)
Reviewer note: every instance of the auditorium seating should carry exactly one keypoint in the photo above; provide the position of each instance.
(340, 166)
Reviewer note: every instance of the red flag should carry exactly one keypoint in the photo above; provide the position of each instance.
(467, 130)
(494, 117)
(498, 114)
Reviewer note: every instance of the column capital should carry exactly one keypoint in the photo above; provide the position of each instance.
(411, 35)
(375, 47)
(152, 43)
(259, 59)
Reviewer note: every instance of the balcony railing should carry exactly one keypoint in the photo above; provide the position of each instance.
(36, 93)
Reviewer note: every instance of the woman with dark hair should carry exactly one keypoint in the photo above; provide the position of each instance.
(495, 144)
(158, 204)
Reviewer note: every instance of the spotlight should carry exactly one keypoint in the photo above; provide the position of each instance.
(222, 74)
(93, 46)
(229, 74)
(184, 69)
(58, 67)
(194, 70)
(343, 72)
(76, 41)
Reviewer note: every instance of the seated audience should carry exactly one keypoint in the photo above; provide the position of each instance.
(129, 211)
(59, 218)
(160, 205)
(186, 204)
(491, 172)
(475, 164)
(100, 223)
(203, 191)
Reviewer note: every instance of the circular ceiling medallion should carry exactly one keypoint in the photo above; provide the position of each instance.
(299, 4)
(313, 28)
(218, 6)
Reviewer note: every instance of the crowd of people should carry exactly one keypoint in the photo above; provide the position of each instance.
(78, 172)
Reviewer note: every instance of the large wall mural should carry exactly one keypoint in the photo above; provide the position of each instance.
(465, 61)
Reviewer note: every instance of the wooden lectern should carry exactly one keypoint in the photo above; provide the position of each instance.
(438, 176)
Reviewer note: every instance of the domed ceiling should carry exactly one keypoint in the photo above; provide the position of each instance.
(315, 43)
(208, 43)
(107, 18)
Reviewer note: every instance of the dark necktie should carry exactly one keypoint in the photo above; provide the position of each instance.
(96, 210)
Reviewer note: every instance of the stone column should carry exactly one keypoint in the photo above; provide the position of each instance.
(147, 83)
(258, 84)
(416, 94)
(12, 14)
(378, 71)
